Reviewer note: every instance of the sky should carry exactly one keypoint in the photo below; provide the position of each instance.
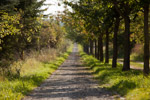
(53, 8)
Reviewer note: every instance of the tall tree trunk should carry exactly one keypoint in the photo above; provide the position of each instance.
(88, 49)
(126, 63)
(115, 44)
(22, 54)
(91, 47)
(84, 48)
(107, 47)
(100, 40)
(146, 40)
(98, 48)
(95, 48)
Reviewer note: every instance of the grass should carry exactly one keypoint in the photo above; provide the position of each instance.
(33, 73)
(130, 84)
(136, 64)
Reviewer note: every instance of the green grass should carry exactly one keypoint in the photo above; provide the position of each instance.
(135, 64)
(130, 84)
(137, 56)
(16, 87)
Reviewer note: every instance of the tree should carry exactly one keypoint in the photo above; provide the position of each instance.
(125, 8)
(19, 23)
(30, 12)
(115, 44)
(145, 6)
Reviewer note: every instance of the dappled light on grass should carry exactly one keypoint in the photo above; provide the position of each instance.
(131, 84)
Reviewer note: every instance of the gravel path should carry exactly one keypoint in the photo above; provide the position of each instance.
(71, 81)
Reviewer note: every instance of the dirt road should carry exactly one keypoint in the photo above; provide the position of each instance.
(71, 81)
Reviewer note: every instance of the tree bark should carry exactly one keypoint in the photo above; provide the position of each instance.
(91, 47)
(100, 41)
(85, 48)
(22, 54)
(98, 48)
(88, 49)
(126, 63)
(146, 40)
(115, 44)
(95, 48)
(107, 47)
(125, 14)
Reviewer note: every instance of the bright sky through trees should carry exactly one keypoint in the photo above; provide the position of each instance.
(54, 7)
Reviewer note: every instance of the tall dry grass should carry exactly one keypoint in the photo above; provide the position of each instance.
(32, 61)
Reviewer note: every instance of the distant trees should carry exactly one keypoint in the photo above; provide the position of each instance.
(100, 19)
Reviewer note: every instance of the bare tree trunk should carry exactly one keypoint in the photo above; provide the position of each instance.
(88, 49)
(107, 47)
(22, 54)
(91, 47)
(95, 48)
(126, 63)
(101, 58)
(98, 52)
(146, 40)
(115, 44)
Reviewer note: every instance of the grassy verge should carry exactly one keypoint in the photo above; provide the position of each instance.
(136, 64)
(33, 73)
(130, 84)
(133, 63)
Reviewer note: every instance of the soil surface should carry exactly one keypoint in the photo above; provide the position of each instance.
(71, 81)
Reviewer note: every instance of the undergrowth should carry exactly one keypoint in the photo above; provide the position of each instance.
(130, 84)
(31, 74)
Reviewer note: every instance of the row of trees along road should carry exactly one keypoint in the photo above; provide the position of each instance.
(22, 28)
(92, 21)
